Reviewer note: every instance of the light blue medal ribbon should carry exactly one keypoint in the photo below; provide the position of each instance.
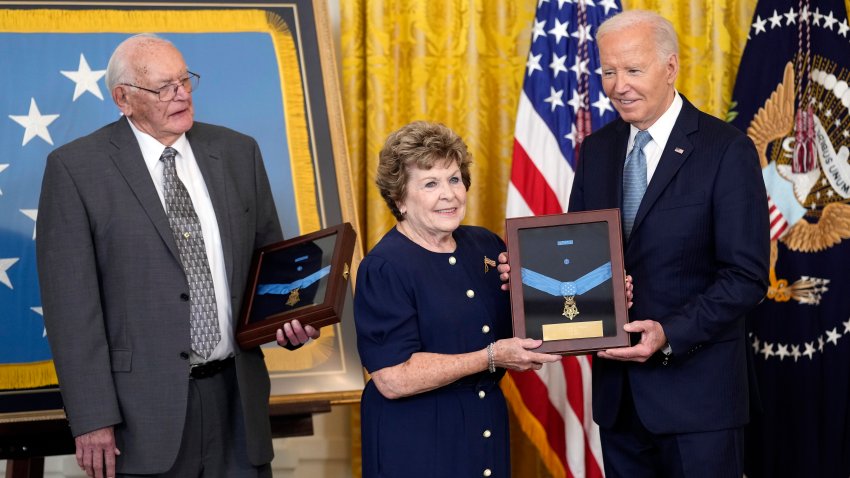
(567, 290)
(284, 289)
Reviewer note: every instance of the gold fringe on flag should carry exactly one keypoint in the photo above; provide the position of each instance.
(27, 375)
(297, 134)
(532, 428)
(310, 355)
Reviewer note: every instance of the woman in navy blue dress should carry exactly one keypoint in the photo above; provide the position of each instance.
(433, 325)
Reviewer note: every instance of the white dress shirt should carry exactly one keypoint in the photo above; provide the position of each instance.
(660, 132)
(190, 174)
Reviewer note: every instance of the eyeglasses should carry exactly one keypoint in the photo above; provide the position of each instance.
(169, 91)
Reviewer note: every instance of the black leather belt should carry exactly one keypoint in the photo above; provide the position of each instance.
(208, 369)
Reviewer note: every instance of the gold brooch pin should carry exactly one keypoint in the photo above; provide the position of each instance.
(488, 263)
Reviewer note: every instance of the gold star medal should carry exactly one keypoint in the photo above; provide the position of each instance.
(293, 298)
(570, 308)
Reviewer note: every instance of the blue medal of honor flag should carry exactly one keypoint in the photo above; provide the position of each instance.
(54, 91)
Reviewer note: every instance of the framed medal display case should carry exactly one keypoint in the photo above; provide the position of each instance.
(567, 281)
(304, 278)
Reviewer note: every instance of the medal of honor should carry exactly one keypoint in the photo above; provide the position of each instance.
(570, 308)
(293, 298)
(293, 288)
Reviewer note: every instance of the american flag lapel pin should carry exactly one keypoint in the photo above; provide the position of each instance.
(679, 150)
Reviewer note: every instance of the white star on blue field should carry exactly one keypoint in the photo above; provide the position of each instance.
(55, 91)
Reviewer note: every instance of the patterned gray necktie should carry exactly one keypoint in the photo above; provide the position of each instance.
(186, 227)
(634, 181)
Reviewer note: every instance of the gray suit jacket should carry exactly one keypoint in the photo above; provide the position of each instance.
(114, 292)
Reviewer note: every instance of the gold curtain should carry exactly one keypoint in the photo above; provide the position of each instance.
(461, 62)
(712, 36)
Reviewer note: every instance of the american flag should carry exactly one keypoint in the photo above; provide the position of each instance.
(561, 103)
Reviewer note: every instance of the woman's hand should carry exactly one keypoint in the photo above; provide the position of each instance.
(516, 354)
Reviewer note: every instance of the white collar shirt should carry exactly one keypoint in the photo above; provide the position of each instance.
(660, 132)
(190, 174)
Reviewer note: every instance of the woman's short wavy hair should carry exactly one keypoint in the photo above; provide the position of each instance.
(420, 144)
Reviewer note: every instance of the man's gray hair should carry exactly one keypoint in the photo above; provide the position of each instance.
(117, 70)
(666, 39)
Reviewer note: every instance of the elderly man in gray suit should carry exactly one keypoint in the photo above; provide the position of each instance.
(146, 231)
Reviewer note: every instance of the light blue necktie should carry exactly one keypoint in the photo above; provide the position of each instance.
(634, 181)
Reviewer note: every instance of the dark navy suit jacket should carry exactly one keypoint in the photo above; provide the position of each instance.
(698, 255)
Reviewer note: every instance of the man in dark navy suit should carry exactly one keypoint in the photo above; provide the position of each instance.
(696, 243)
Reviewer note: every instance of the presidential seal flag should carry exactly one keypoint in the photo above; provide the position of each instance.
(560, 104)
(792, 98)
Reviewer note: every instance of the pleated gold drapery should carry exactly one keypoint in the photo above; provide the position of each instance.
(457, 62)
(712, 36)
(461, 62)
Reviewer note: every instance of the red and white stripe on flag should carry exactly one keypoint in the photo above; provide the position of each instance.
(778, 224)
(562, 102)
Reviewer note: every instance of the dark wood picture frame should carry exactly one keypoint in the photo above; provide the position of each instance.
(540, 313)
(319, 303)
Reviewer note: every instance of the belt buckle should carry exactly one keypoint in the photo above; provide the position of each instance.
(194, 368)
(208, 369)
(204, 370)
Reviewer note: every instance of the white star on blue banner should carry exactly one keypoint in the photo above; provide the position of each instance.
(54, 92)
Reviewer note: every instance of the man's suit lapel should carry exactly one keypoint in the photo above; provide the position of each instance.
(676, 152)
(209, 160)
(129, 161)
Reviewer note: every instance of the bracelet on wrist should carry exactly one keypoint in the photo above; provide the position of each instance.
(491, 358)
